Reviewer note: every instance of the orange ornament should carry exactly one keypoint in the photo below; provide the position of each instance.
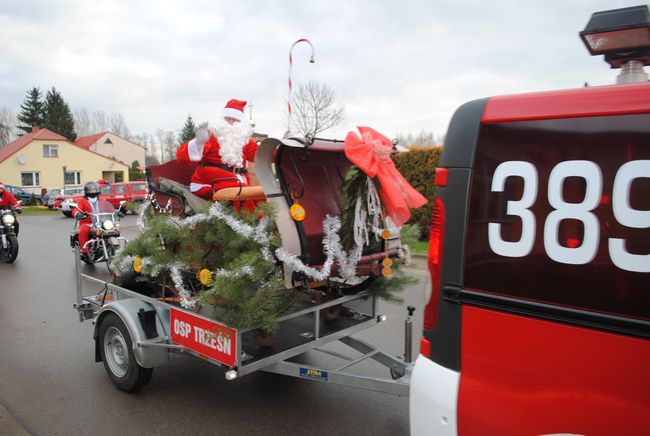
(297, 212)
(204, 276)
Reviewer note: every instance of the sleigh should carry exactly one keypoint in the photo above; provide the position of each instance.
(289, 171)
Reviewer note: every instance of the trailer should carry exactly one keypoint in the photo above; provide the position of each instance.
(137, 331)
(134, 333)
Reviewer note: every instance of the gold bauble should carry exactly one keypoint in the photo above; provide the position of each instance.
(297, 212)
(205, 276)
(137, 264)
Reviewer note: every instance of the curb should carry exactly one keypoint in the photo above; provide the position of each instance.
(8, 424)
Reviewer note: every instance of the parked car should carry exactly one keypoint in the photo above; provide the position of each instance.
(65, 201)
(133, 193)
(23, 195)
(50, 197)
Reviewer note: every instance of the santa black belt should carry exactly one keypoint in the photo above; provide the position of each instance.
(224, 167)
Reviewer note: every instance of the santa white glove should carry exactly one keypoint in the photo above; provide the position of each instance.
(202, 134)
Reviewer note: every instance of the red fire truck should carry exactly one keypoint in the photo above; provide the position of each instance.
(538, 321)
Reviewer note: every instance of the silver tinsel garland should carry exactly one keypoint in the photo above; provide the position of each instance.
(332, 248)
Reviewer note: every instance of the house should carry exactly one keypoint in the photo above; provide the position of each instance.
(111, 145)
(44, 159)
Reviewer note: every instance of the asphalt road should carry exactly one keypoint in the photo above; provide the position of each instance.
(50, 384)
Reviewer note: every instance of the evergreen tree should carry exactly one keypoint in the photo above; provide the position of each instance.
(135, 173)
(32, 111)
(58, 117)
(188, 131)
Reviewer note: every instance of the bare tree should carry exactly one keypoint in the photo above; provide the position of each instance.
(7, 126)
(82, 122)
(117, 125)
(423, 139)
(314, 109)
(167, 143)
(100, 121)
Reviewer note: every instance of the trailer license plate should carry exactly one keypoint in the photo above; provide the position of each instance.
(206, 337)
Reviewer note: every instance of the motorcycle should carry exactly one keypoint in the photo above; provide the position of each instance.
(9, 240)
(104, 239)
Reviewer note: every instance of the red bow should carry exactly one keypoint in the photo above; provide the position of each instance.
(371, 153)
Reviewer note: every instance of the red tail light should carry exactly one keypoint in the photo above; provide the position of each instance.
(435, 259)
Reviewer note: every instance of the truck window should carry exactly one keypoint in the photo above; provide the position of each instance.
(567, 201)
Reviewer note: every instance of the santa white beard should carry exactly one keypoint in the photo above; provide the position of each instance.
(232, 138)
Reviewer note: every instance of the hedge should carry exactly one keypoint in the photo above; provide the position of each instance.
(418, 167)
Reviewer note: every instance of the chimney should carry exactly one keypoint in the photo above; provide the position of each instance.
(35, 129)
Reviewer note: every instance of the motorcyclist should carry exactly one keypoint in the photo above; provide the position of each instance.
(7, 200)
(86, 207)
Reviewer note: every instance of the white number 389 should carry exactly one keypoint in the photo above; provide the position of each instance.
(563, 210)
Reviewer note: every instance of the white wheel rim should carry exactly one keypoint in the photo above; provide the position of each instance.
(116, 352)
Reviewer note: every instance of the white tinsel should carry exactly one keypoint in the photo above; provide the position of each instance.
(240, 272)
(333, 252)
(124, 264)
(175, 270)
(332, 247)
(373, 205)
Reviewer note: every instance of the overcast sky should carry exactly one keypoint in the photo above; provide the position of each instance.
(397, 66)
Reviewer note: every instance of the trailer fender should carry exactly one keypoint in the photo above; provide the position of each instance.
(128, 310)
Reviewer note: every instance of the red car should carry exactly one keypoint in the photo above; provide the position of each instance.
(132, 193)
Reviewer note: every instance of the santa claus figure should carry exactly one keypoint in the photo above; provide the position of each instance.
(222, 152)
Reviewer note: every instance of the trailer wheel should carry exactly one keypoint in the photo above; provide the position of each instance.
(116, 349)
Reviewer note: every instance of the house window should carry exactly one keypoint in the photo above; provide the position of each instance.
(31, 178)
(50, 150)
(72, 178)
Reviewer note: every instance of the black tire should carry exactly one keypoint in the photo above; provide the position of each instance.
(116, 348)
(12, 251)
(67, 214)
(38, 202)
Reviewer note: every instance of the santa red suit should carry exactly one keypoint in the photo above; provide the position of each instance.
(7, 201)
(85, 224)
(222, 153)
(213, 172)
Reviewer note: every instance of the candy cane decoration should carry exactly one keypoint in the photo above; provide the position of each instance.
(311, 60)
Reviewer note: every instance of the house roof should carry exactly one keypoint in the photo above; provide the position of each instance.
(43, 134)
(14, 146)
(87, 141)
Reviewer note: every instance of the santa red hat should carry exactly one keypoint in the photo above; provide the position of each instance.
(234, 109)
(2, 185)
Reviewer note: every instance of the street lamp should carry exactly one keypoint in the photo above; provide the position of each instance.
(311, 61)
(623, 36)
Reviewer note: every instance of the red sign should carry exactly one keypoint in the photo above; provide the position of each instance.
(206, 337)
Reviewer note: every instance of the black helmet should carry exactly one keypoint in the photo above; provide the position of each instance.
(91, 189)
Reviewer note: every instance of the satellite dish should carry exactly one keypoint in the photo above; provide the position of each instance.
(22, 159)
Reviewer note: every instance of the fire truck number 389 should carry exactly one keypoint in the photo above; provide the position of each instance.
(562, 210)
